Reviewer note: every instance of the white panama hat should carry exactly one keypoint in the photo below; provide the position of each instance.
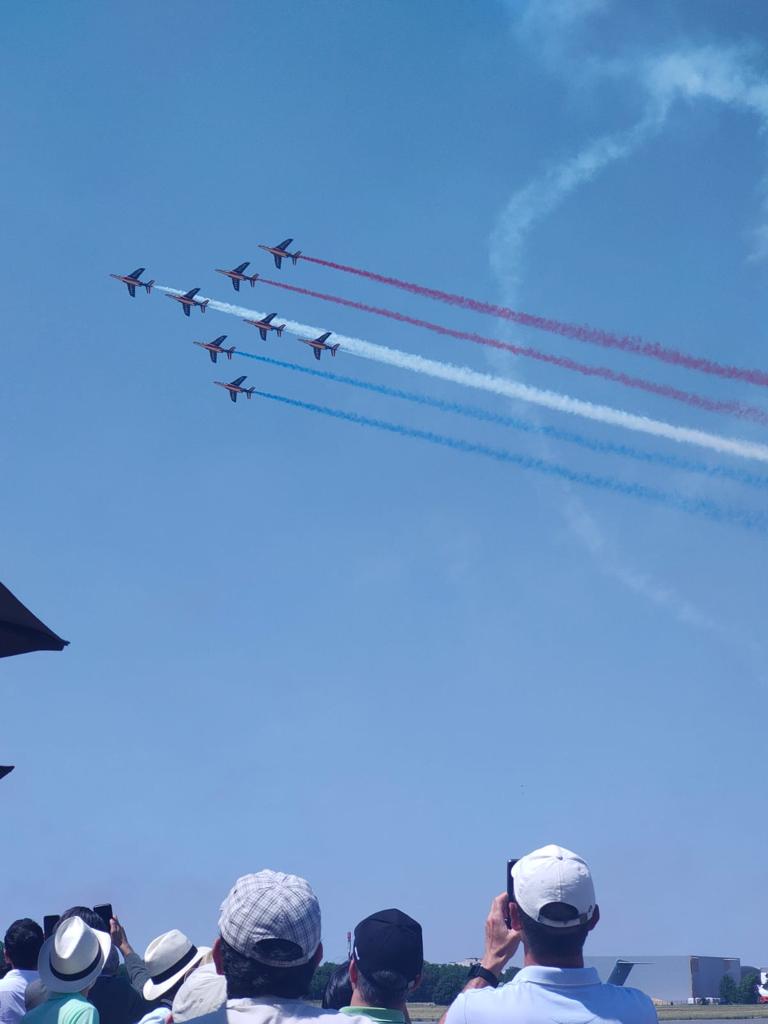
(168, 958)
(74, 956)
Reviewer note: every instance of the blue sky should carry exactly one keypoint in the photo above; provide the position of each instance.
(302, 644)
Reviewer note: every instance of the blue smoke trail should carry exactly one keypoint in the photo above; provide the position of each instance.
(697, 506)
(604, 447)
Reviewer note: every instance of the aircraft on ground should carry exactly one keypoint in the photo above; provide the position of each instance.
(235, 388)
(319, 345)
(188, 300)
(131, 280)
(237, 275)
(214, 348)
(280, 252)
(267, 325)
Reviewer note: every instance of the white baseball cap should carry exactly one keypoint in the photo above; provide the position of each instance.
(554, 887)
(270, 905)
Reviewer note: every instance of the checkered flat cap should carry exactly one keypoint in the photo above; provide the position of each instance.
(267, 907)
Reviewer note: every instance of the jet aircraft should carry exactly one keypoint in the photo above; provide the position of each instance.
(267, 325)
(280, 252)
(237, 275)
(235, 388)
(188, 300)
(319, 345)
(214, 348)
(131, 280)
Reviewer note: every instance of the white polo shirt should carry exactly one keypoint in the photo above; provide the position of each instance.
(540, 995)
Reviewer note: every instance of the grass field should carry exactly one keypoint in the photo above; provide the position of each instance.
(430, 1012)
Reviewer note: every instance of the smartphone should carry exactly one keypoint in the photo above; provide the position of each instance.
(510, 889)
(49, 924)
(104, 910)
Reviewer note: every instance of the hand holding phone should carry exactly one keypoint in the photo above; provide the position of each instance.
(104, 910)
(510, 890)
(49, 924)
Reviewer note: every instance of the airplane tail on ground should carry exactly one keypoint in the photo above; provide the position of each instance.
(204, 305)
(148, 286)
(334, 348)
(295, 256)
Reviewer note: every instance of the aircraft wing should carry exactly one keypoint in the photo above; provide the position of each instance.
(191, 293)
(132, 290)
(324, 337)
(186, 309)
(263, 333)
(241, 268)
(236, 283)
(233, 395)
(237, 381)
(137, 272)
(284, 245)
(317, 353)
(268, 319)
(278, 260)
(212, 355)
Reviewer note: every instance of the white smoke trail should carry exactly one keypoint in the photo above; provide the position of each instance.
(511, 389)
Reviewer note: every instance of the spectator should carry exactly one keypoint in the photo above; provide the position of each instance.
(553, 912)
(338, 991)
(36, 994)
(21, 948)
(387, 961)
(201, 992)
(268, 949)
(69, 964)
(169, 959)
(114, 997)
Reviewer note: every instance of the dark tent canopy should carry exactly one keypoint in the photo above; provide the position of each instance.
(20, 631)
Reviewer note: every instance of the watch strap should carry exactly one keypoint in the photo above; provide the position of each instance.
(478, 971)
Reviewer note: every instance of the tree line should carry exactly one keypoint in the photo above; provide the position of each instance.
(440, 983)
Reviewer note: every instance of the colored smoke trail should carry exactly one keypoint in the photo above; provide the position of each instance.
(696, 506)
(739, 409)
(484, 415)
(507, 388)
(579, 332)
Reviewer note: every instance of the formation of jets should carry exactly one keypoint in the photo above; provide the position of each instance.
(214, 348)
(237, 275)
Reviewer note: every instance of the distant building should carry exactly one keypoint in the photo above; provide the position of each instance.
(671, 979)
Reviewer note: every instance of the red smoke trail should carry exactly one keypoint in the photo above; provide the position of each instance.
(593, 335)
(739, 409)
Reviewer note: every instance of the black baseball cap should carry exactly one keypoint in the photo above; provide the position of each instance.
(389, 941)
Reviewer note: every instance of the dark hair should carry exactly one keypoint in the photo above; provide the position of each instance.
(22, 943)
(91, 918)
(552, 943)
(248, 978)
(382, 988)
(338, 991)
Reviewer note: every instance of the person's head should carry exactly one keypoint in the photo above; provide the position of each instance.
(554, 906)
(203, 991)
(95, 921)
(169, 959)
(73, 957)
(338, 990)
(387, 959)
(22, 943)
(269, 936)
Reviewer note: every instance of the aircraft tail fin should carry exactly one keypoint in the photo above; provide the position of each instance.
(334, 348)
(295, 256)
(280, 329)
(148, 285)
(230, 352)
(253, 279)
(249, 391)
(204, 305)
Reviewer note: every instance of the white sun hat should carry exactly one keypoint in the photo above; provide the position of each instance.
(168, 958)
(554, 886)
(74, 956)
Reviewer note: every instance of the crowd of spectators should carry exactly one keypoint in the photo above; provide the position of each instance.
(260, 966)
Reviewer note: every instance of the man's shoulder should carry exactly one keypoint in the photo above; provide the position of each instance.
(633, 1000)
(277, 1010)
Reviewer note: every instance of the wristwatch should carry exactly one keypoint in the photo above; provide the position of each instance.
(478, 971)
